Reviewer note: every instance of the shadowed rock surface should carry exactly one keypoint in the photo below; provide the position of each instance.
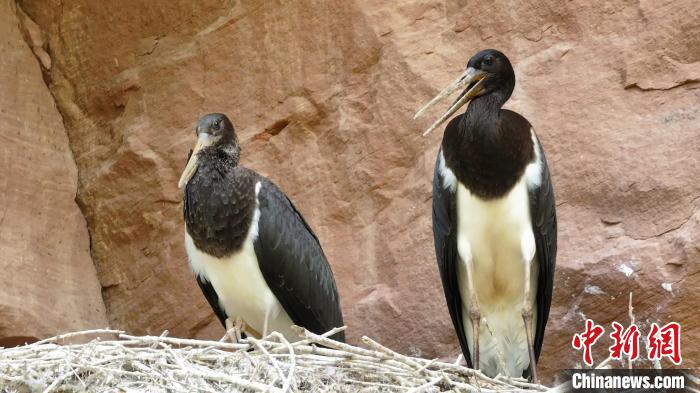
(323, 94)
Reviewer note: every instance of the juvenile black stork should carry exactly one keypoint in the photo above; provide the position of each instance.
(494, 222)
(255, 257)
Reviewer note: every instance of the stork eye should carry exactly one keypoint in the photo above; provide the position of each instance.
(488, 61)
(215, 126)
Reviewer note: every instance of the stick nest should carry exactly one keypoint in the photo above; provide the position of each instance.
(272, 364)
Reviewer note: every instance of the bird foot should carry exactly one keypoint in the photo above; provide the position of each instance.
(239, 328)
(234, 329)
(229, 331)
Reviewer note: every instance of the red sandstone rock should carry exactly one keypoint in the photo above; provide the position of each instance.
(48, 283)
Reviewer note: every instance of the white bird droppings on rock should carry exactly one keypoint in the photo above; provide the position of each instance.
(626, 270)
(668, 287)
(593, 290)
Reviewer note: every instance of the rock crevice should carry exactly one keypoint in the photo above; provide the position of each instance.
(49, 283)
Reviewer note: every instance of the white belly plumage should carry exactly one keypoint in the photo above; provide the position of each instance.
(240, 285)
(493, 232)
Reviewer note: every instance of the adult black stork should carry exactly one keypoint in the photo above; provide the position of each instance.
(255, 257)
(494, 222)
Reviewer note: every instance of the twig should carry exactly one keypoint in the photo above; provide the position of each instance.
(292, 359)
(76, 334)
(630, 312)
(424, 386)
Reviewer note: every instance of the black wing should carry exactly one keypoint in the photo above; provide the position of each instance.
(212, 298)
(445, 233)
(544, 226)
(293, 264)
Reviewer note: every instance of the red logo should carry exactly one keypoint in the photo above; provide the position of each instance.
(665, 341)
(627, 343)
(661, 342)
(586, 340)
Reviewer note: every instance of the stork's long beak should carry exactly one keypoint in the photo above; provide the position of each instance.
(471, 75)
(203, 141)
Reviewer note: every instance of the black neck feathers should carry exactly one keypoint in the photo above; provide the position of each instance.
(488, 148)
(219, 202)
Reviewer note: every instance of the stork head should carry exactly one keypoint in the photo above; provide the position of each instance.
(216, 131)
(488, 72)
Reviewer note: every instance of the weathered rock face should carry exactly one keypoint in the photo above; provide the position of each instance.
(323, 95)
(48, 281)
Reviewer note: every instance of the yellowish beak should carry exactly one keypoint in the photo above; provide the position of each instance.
(469, 76)
(204, 140)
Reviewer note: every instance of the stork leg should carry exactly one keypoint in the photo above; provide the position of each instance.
(475, 316)
(474, 312)
(529, 248)
(527, 320)
(267, 319)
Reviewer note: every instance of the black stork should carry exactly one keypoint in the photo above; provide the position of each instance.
(494, 222)
(255, 257)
